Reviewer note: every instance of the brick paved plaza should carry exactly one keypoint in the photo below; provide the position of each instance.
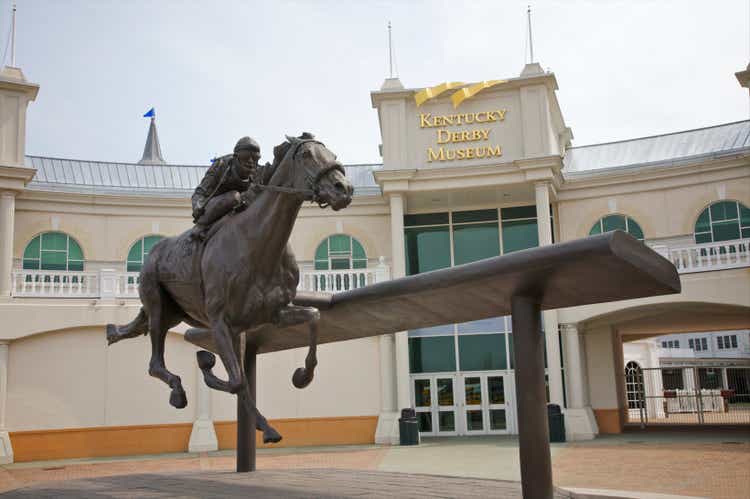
(716, 466)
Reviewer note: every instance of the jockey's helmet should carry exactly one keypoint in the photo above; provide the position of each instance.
(247, 144)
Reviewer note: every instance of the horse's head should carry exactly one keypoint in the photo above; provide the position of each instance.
(315, 168)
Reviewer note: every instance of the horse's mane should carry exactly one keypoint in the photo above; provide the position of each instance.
(280, 150)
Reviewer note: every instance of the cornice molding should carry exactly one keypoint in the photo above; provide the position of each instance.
(15, 178)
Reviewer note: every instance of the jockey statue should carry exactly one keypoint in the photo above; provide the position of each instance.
(225, 181)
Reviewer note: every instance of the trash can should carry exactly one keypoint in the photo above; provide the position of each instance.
(556, 423)
(408, 428)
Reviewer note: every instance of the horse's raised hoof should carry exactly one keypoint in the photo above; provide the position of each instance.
(271, 436)
(302, 377)
(177, 398)
(206, 360)
(112, 336)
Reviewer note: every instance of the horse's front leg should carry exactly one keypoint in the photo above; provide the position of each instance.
(206, 362)
(292, 315)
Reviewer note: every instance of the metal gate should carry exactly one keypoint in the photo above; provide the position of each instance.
(707, 395)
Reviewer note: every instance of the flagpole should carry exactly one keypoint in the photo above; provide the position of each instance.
(13, 39)
(531, 42)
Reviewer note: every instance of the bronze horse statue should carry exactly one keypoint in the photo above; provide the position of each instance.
(243, 277)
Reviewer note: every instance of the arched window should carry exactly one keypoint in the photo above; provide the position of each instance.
(340, 252)
(634, 385)
(614, 222)
(53, 251)
(723, 221)
(139, 251)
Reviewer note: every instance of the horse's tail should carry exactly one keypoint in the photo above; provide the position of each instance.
(136, 327)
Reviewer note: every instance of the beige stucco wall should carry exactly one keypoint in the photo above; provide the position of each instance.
(69, 379)
(664, 205)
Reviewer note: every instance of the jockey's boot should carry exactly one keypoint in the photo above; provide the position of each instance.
(198, 232)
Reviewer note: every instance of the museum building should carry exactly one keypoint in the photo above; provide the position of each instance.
(469, 171)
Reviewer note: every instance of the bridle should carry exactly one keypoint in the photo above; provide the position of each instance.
(312, 193)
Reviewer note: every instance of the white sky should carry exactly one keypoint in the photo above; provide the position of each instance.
(218, 70)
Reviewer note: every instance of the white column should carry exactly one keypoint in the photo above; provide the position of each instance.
(387, 429)
(7, 217)
(203, 436)
(580, 423)
(544, 226)
(6, 449)
(403, 399)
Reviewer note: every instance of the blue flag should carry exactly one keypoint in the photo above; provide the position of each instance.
(151, 113)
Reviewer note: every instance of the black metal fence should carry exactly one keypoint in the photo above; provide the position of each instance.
(688, 395)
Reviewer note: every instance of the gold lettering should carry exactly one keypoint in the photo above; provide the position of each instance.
(447, 120)
(481, 152)
(476, 135)
(443, 136)
(485, 133)
(455, 137)
(470, 153)
(465, 136)
(466, 118)
(480, 120)
(502, 114)
(432, 156)
(461, 154)
(448, 155)
(496, 151)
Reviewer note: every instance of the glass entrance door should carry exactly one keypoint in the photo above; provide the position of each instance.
(435, 404)
(486, 403)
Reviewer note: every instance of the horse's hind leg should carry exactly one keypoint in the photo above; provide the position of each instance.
(206, 362)
(294, 314)
(162, 316)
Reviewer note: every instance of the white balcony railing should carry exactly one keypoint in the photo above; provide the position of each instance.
(335, 281)
(105, 283)
(690, 258)
(108, 283)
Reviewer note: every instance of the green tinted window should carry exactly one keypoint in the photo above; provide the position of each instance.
(340, 252)
(723, 221)
(33, 248)
(426, 219)
(432, 354)
(614, 222)
(517, 212)
(704, 222)
(474, 216)
(54, 241)
(475, 242)
(482, 352)
(139, 251)
(617, 222)
(427, 248)
(724, 210)
(53, 251)
(519, 234)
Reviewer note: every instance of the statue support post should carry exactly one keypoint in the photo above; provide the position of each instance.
(533, 430)
(245, 421)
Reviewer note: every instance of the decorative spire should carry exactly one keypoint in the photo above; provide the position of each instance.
(152, 151)
(13, 39)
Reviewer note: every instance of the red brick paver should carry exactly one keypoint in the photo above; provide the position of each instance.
(720, 471)
(14, 477)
